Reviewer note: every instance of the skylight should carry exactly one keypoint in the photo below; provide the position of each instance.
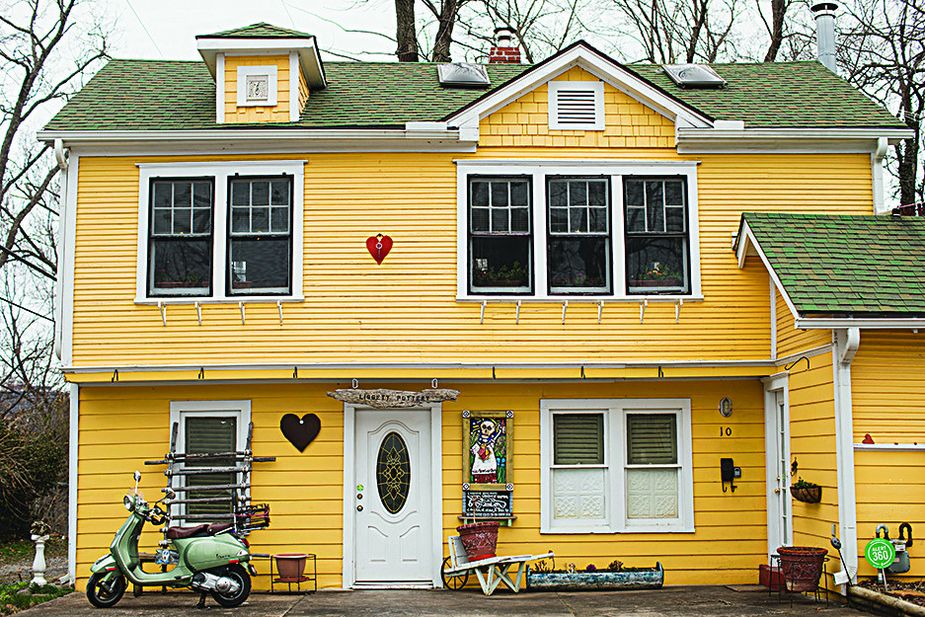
(463, 75)
(694, 76)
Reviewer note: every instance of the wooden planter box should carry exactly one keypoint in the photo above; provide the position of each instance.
(598, 580)
(811, 494)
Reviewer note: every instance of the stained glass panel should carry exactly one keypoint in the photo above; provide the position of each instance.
(393, 472)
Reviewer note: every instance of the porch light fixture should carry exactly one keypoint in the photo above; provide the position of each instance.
(725, 407)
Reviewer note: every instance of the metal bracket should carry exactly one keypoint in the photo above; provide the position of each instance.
(642, 310)
(202, 373)
(564, 309)
(677, 310)
(517, 313)
(199, 313)
(279, 307)
(482, 312)
(163, 309)
(243, 317)
(600, 310)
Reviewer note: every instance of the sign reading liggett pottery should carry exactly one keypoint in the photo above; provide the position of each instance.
(382, 398)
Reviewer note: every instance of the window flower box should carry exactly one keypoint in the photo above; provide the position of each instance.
(590, 580)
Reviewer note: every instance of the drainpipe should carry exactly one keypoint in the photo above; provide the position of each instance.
(846, 344)
(61, 158)
(825, 33)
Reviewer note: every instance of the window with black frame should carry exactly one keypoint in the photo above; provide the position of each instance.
(657, 244)
(578, 250)
(180, 237)
(260, 235)
(500, 235)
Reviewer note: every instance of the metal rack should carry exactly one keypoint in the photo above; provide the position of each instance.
(180, 466)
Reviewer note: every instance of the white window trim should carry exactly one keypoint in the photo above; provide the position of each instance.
(272, 74)
(597, 87)
(179, 410)
(538, 170)
(220, 172)
(615, 411)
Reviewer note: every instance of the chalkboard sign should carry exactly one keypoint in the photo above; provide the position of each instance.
(487, 503)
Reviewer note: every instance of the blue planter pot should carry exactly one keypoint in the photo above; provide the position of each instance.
(597, 580)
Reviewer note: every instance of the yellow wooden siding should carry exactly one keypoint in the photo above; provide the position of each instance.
(304, 91)
(627, 122)
(264, 113)
(405, 310)
(122, 426)
(790, 340)
(812, 445)
(888, 397)
(890, 491)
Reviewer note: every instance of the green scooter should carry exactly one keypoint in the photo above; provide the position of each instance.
(208, 558)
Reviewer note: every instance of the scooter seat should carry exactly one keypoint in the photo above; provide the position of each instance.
(181, 533)
(214, 528)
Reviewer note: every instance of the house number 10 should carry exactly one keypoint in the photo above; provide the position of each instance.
(725, 431)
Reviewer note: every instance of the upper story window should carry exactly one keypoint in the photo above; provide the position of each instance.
(602, 230)
(220, 231)
(260, 237)
(500, 238)
(180, 243)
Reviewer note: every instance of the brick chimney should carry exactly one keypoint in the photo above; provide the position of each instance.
(504, 51)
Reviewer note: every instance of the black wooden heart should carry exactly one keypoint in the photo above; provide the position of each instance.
(300, 431)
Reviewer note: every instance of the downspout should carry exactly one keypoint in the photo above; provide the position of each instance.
(846, 343)
(61, 158)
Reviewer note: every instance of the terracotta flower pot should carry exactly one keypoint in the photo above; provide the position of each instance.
(479, 539)
(290, 566)
(801, 566)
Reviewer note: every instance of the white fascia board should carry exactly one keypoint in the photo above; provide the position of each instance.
(309, 58)
(746, 239)
(693, 140)
(597, 65)
(864, 323)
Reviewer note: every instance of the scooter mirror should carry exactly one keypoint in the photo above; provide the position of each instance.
(170, 493)
(137, 476)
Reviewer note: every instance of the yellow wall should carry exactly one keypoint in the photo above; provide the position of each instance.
(276, 113)
(121, 426)
(405, 310)
(790, 340)
(888, 396)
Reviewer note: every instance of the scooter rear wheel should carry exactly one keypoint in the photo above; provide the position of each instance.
(105, 594)
(242, 578)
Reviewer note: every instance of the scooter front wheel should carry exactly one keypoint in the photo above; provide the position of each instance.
(240, 576)
(103, 593)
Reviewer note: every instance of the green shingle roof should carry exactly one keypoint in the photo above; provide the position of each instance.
(160, 95)
(260, 30)
(846, 265)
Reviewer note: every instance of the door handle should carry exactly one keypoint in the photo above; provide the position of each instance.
(777, 491)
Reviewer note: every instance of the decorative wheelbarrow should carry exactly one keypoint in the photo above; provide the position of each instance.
(490, 572)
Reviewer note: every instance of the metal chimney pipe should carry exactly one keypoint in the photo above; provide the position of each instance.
(825, 33)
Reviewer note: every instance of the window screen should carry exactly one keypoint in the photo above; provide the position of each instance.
(260, 236)
(180, 237)
(500, 240)
(578, 439)
(210, 435)
(657, 251)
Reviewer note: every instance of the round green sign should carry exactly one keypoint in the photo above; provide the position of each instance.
(880, 553)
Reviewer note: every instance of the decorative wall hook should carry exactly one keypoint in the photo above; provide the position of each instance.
(243, 317)
(354, 383)
(642, 310)
(163, 309)
(379, 246)
(202, 373)
(797, 361)
(600, 310)
(564, 309)
(279, 307)
(199, 313)
(677, 310)
(482, 312)
(517, 313)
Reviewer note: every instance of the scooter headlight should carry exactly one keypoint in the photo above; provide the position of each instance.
(128, 502)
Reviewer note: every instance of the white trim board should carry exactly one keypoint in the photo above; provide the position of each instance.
(72, 476)
(773, 384)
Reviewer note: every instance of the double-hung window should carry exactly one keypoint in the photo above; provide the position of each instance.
(595, 230)
(657, 255)
(222, 232)
(616, 465)
(180, 241)
(578, 245)
(500, 235)
(260, 236)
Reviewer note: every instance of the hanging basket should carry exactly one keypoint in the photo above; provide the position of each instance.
(807, 494)
(479, 539)
(801, 566)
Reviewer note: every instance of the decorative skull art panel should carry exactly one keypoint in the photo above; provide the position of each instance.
(487, 449)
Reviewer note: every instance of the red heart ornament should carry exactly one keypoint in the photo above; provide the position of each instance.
(379, 246)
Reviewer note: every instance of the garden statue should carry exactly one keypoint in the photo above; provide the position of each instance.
(40, 532)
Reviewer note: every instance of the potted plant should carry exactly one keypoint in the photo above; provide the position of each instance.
(479, 539)
(807, 492)
(801, 566)
(615, 576)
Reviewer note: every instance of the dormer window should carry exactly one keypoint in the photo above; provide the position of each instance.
(257, 85)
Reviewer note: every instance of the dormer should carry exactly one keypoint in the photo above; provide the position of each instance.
(262, 73)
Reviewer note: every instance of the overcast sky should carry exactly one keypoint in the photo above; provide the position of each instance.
(167, 28)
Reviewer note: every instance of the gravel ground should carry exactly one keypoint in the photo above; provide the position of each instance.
(16, 561)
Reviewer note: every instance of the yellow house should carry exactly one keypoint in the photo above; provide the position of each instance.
(656, 290)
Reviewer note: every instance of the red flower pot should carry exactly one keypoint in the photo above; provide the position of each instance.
(290, 567)
(479, 539)
(801, 566)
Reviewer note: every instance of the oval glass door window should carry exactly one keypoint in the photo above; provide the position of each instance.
(393, 472)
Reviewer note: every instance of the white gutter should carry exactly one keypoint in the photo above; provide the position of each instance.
(74, 418)
(691, 134)
(867, 323)
(61, 158)
(846, 343)
(412, 132)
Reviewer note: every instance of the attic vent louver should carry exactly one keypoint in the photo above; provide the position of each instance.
(463, 75)
(576, 105)
(694, 76)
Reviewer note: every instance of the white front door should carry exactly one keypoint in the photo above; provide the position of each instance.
(780, 515)
(393, 498)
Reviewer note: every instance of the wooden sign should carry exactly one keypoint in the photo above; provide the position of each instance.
(487, 504)
(381, 398)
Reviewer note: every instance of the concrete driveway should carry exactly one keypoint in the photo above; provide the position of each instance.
(670, 601)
